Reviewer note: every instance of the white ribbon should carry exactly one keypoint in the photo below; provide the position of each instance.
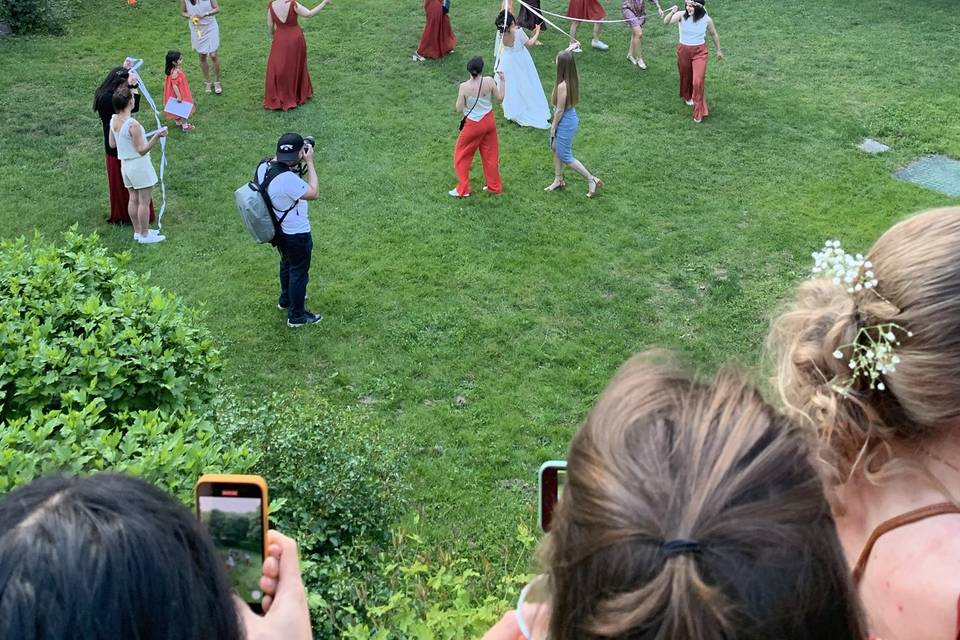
(163, 141)
(537, 13)
(566, 17)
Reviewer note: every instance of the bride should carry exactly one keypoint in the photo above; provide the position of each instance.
(524, 101)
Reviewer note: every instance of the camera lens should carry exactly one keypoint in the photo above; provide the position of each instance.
(309, 141)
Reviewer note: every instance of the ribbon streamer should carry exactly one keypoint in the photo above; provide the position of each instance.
(566, 17)
(498, 44)
(537, 13)
(163, 141)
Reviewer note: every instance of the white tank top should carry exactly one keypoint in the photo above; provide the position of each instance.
(693, 33)
(125, 148)
(480, 107)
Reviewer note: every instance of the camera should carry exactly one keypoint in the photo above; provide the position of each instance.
(309, 141)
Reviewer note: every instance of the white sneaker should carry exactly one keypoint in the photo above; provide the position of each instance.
(148, 239)
(599, 44)
(689, 103)
(456, 194)
(641, 64)
(152, 232)
(578, 50)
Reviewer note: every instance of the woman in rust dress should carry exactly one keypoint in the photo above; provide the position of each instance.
(437, 39)
(288, 81)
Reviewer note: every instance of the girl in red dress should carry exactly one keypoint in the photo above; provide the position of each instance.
(288, 82)
(438, 39)
(177, 87)
(587, 10)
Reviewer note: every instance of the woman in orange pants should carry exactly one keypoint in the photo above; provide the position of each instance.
(692, 53)
(478, 130)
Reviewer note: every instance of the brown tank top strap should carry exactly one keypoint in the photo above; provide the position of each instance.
(939, 509)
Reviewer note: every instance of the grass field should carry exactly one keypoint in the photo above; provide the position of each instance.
(483, 329)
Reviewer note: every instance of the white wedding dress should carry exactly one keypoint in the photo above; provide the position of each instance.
(524, 101)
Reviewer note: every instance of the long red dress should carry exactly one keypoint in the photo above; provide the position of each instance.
(288, 82)
(437, 39)
(586, 10)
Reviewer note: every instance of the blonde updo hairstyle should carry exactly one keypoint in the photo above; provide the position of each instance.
(917, 266)
(663, 458)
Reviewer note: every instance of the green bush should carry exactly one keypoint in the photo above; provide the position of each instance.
(170, 452)
(99, 371)
(335, 485)
(425, 596)
(76, 325)
(36, 16)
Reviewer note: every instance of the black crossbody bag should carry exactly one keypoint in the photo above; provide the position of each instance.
(463, 120)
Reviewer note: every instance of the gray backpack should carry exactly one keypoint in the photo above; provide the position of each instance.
(256, 210)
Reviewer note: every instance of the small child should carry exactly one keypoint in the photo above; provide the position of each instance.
(177, 87)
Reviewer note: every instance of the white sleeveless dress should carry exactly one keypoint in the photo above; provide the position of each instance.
(209, 39)
(524, 101)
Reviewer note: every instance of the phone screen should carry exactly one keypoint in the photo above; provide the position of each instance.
(552, 479)
(233, 515)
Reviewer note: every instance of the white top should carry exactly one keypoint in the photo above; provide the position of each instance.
(524, 101)
(693, 33)
(482, 108)
(286, 189)
(125, 147)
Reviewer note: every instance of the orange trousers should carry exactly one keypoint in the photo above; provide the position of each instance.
(692, 64)
(481, 135)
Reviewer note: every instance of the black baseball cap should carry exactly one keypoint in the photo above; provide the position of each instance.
(288, 147)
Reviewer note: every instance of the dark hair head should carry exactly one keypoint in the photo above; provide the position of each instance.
(475, 66)
(172, 56)
(714, 470)
(108, 557)
(699, 11)
(121, 98)
(504, 20)
(117, 76)
(567, 73)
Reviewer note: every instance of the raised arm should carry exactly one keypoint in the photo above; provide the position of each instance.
(673, 16)
(535, 38)
(309, 13)
(715, 36)
(499, 88)
(142, 145)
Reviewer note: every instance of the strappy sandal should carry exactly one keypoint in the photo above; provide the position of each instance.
(186, 126)
(217, 89)
(597, 183)
(208, 88)
(557, 185)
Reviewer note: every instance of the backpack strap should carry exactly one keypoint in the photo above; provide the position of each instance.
(274, 169)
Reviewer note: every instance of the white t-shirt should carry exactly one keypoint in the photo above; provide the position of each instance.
(286, 189)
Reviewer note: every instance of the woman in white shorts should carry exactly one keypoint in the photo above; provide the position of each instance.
(139, 176)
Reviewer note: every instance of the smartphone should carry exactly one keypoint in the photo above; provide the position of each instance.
(234, 510)
(552, 476)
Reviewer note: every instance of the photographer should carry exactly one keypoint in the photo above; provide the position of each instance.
(288, 194)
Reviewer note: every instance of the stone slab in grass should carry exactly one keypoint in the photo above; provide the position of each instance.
(869, 145)
(939, 173)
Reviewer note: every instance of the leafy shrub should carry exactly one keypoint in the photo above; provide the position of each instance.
(426, 596)
(336, 487)
(76, 325)
(171, 452)
(99, 371)
(36, 16)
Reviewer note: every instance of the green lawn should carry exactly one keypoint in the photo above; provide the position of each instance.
(483, 329)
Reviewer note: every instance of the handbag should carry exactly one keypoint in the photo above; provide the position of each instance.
(463, 120)
(446, 6)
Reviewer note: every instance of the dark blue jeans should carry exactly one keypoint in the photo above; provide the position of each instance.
(295, 251)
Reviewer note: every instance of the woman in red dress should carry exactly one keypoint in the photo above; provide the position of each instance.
(437, 39)
(288, 81)
(587, 10)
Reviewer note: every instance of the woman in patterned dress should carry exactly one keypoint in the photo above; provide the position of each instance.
(635, 13)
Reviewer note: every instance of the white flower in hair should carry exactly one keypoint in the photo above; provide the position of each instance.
(854, 271)
(872, 354)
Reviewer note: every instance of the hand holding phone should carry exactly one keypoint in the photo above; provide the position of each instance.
(235, 509)
(287, 614)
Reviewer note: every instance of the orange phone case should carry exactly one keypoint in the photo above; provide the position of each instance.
(229, 478)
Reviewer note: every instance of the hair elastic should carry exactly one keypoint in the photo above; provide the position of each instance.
(680, 546)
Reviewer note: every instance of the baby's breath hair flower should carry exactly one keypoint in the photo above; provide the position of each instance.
(853, 271)
(872, 355)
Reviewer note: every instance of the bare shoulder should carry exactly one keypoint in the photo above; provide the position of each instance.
(911, 587)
